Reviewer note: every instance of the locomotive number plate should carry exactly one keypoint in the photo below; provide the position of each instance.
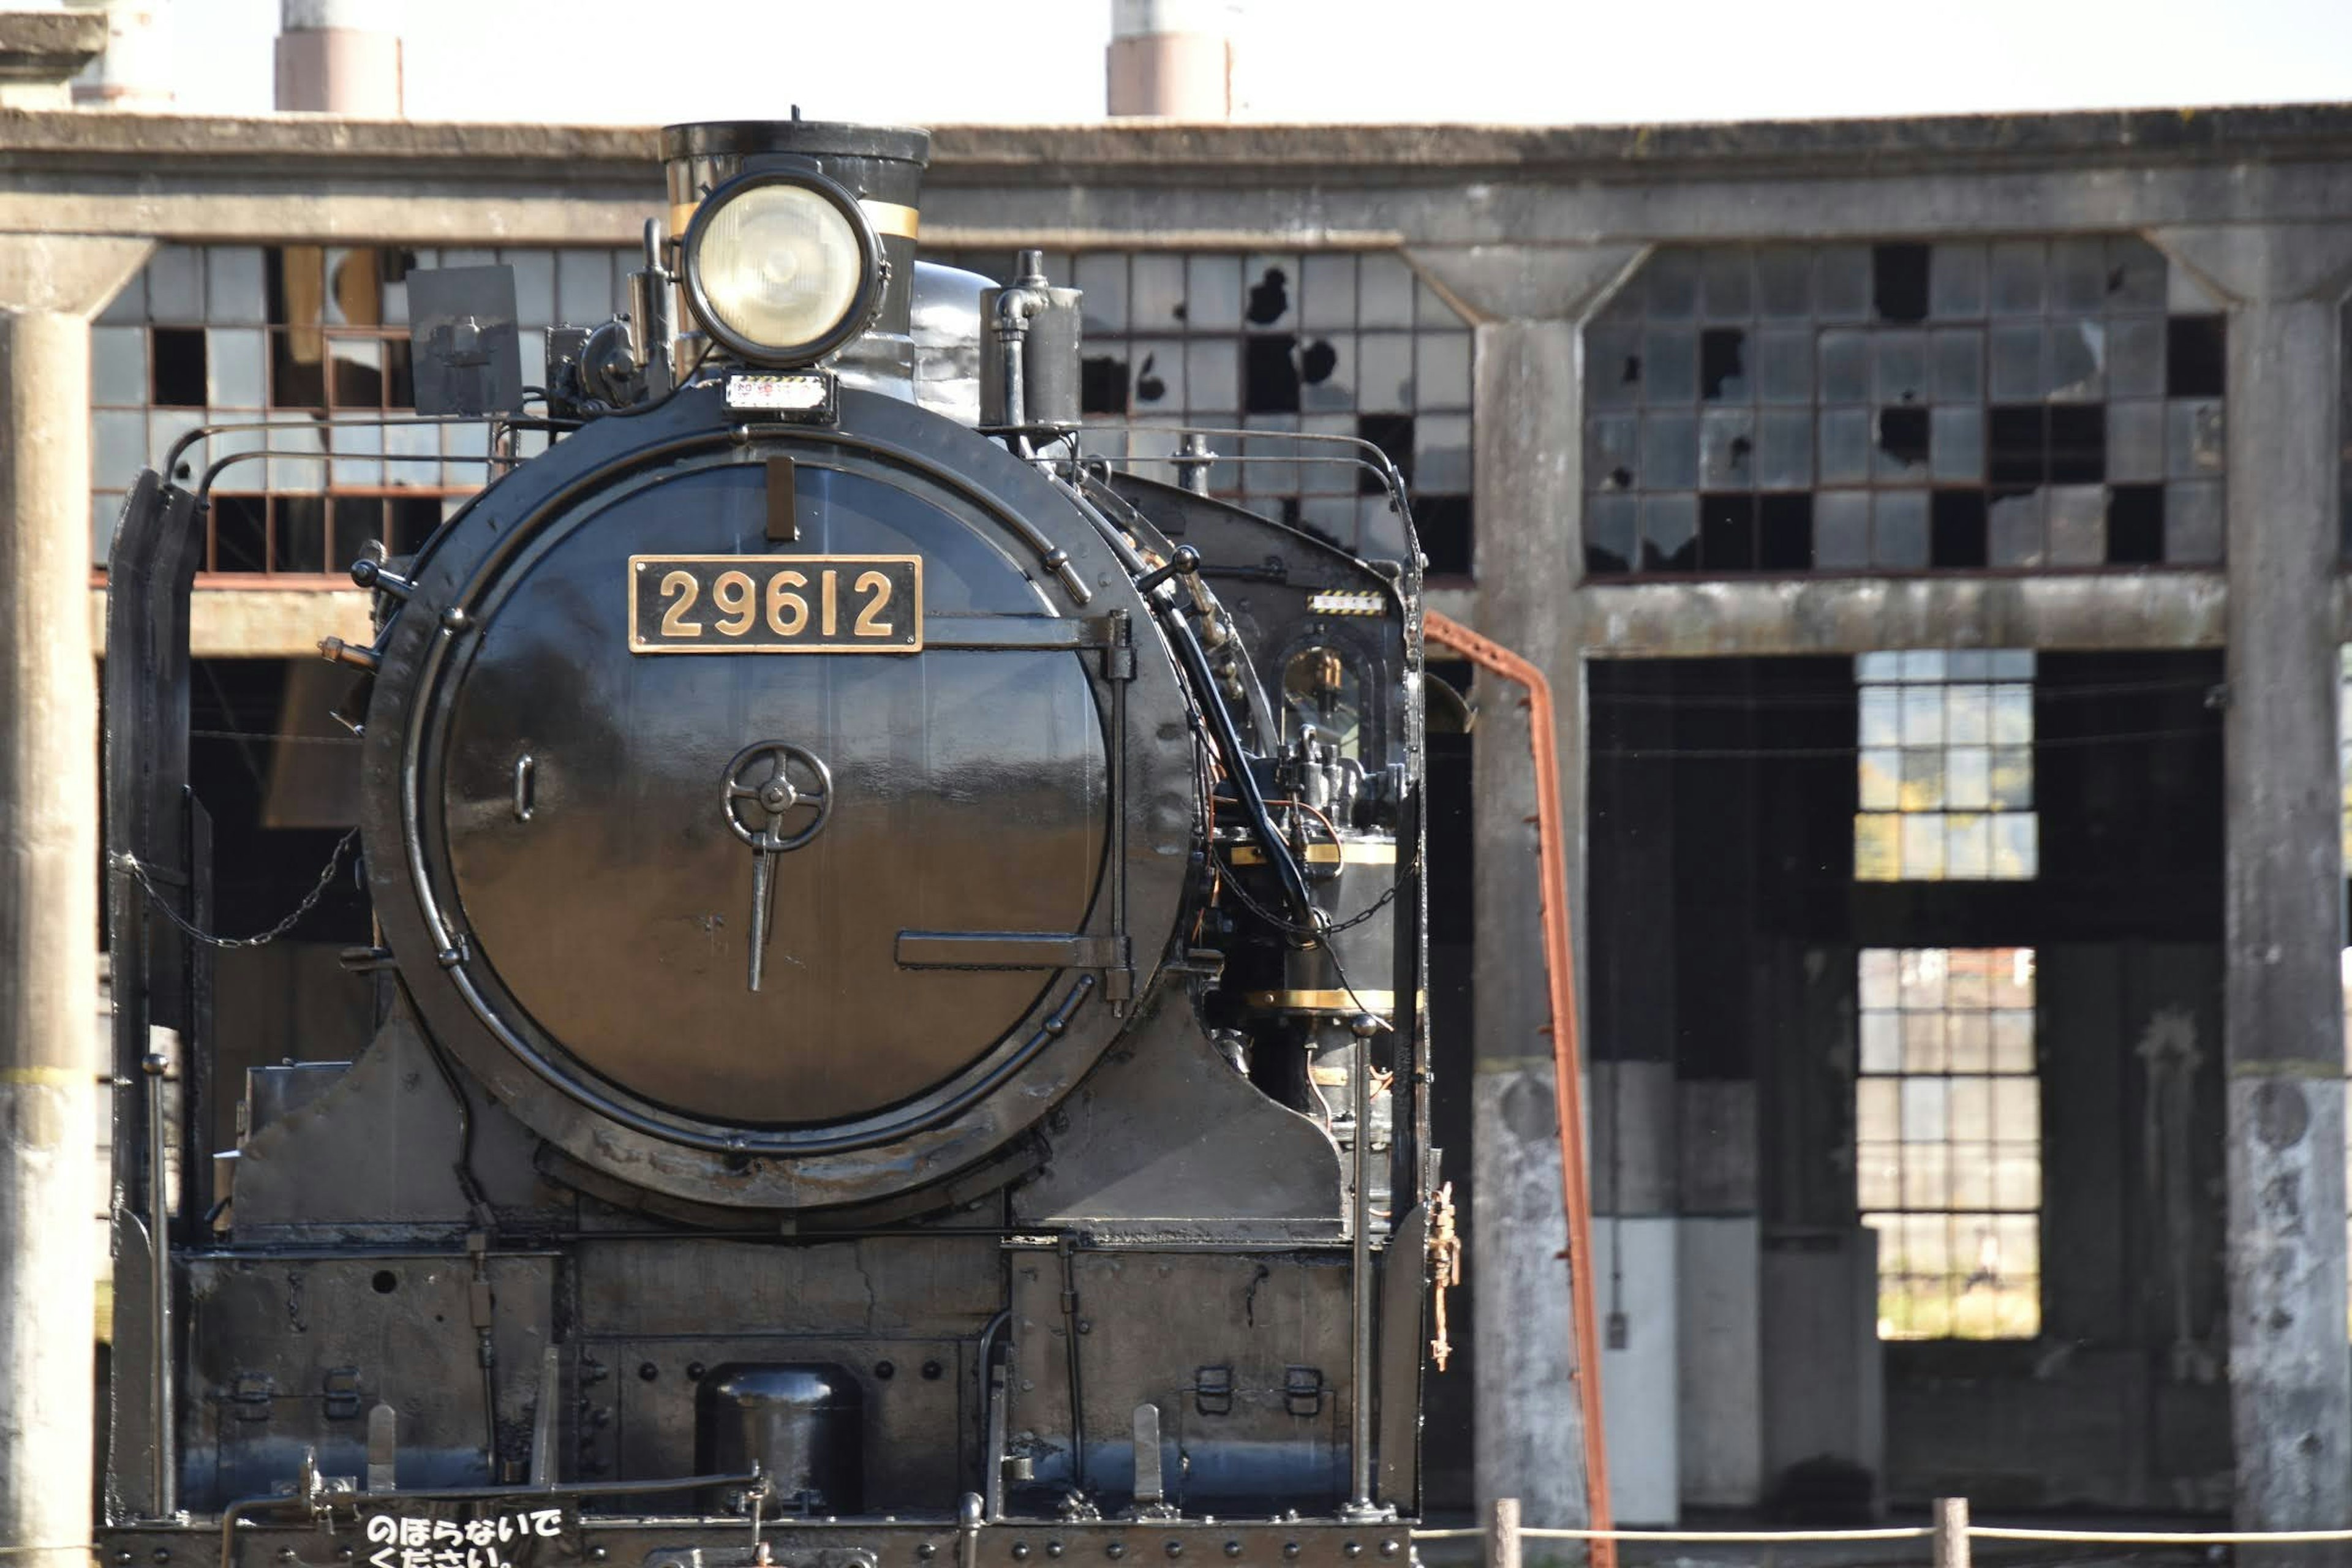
(778, 604)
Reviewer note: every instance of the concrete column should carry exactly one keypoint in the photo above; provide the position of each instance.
(48, 888)
(340, 57)
(2290, 1371)
(1530, 1441)
(1529, 461)
(40, 52)
(1173, 58)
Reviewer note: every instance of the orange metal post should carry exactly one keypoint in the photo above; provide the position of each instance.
(1566, 1056)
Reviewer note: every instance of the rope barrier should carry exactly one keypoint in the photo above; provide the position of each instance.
(2162, 1538)
(1921, 1533)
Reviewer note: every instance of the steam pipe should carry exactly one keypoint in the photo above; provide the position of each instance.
(1566, 1062)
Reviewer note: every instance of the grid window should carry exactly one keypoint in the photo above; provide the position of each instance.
(2025, 405)
(1334, 343)
(288, 338)
(1944, 769)
(1948, 1140)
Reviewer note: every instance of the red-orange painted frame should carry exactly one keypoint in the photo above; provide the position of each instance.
(1566, 1055)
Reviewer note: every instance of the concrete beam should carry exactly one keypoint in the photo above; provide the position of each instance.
(1758, 619)
(296, 178)
(48, 898)
(262, 618)
(1675, 206)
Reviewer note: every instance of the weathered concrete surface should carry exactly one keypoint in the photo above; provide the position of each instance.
(262, 620)
(2290, 1371)
(297, 177)
(1485, 282)
(1529, 1433)
(49, 896)
(1734, 620)
(40, 51)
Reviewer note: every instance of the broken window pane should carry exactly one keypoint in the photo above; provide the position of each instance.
(1612, 357)
(1983, 370)
(1784, 449)
(1669, 365)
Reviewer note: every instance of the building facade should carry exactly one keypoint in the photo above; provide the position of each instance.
(1932, 530)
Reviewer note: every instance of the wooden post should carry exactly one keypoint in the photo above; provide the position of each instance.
(1503, 1534)
(1951, 1532)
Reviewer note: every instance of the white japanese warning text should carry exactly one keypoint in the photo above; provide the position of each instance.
(400, 1540)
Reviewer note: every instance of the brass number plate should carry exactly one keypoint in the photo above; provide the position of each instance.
(775, 604)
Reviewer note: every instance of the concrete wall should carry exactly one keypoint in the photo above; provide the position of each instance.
(1526, 232)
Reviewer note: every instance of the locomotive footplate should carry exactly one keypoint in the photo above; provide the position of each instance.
(624, 1542)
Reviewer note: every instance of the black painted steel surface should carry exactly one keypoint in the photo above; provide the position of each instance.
(900, 965)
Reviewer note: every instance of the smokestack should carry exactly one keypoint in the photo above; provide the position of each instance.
(135, 71)
(340, 57)
(1173, 58)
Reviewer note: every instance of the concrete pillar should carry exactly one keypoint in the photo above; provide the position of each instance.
(1173, 58)
(340, 57)
(2289, 1370)
(1526, 481)
(49, 286)
(40, 52)
(1530, 1441)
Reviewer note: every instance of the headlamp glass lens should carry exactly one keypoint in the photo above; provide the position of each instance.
(779, 265)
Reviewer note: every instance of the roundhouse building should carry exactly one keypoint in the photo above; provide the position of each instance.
(1932, 530)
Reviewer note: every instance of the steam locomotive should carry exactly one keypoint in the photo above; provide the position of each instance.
(900, 1025)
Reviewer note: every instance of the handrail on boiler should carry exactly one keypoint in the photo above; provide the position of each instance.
(1567, 1063)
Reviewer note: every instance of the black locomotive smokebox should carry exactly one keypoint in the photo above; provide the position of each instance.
(881, 165)
(803, 1422)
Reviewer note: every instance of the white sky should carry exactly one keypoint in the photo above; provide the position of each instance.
(930, 62)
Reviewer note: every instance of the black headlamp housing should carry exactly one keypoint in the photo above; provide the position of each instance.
(853, 320)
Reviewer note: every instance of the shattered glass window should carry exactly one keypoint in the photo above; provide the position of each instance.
(2020, 405)
(1331, 344)
(293, 339)
(1948, 1140)
(1944, 771)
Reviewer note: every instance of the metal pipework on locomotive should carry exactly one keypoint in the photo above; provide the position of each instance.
(899, 961)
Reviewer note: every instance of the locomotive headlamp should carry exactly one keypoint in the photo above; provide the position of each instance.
(782, 267)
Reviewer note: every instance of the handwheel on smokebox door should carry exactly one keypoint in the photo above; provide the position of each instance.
(775, 797)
